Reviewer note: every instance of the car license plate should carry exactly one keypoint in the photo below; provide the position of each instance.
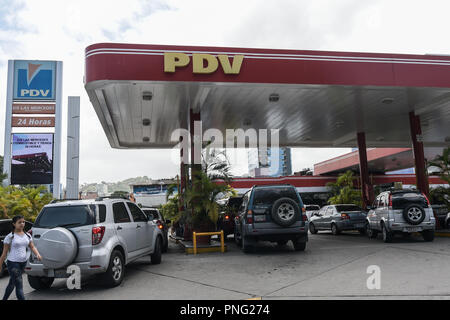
(416, 229)
(61, 273)
(260, 218)
(359, 225)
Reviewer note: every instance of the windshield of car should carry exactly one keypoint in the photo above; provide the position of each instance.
(347, 207)
(265, 196)
(65, 216)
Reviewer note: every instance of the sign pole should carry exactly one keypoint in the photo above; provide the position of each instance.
(57, 137)
(8, 130)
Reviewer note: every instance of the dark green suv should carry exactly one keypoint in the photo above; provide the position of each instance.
(271, 213)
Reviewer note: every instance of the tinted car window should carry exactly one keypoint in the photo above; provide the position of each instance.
(401, 200)
(341, 208)
(65, 216)
(120, 213)
(153, 214)
(270, 195)
(101, 213)
(311, 207)
(136, 213)
(5, 228)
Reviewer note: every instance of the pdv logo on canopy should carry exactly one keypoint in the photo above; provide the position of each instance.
(34, 80)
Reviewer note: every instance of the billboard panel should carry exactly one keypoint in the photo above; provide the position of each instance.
(33, 121)
(33, 108)
(32, 158)
(34, 80)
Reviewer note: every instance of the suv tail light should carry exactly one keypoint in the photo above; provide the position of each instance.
(428, 201)
(345, 216)
(227, 218)
(304, 217)
(249, 216)
(159, 224)
(97, 235)
(30, 232)
(390, 201)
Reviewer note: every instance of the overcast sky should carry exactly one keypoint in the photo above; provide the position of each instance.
(61, 30)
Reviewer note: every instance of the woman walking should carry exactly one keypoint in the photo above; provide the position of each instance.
(16, 245)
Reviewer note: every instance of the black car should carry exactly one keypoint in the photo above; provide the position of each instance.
(226, 218)
(5, 229)
(157, 217)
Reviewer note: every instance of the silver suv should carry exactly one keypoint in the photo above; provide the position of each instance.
(402, 211)
(99, 236)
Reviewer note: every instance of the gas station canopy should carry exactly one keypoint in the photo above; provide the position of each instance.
(142, 93)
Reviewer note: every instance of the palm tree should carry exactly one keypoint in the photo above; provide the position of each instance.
(343, 190)
(443, 163)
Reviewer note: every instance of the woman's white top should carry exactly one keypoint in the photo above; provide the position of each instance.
(19, 247)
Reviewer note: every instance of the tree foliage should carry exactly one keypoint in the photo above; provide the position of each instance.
(25, 201)
(343, 190)
(443, 163)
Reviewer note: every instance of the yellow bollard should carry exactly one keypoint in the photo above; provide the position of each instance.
(222, 242)
(194, 239)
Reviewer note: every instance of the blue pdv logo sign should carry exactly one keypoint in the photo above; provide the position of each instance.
(34, 80)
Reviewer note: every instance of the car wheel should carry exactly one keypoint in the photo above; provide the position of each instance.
(387, 236)
(115, 272)
(247, 248)
(414, 214)
(428, 235)
(299, 245)
(285, 212)
(335, 230)
(312, 228)
(372, 234)
(236, 238)
(282, 242)
(165, 246)
(40, 283)
(4, 270)
(156, 255)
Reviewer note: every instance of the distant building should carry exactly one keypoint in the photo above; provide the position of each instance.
(269, 162)
(152, 194)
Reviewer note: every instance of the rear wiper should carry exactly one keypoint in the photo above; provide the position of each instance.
(69, 225)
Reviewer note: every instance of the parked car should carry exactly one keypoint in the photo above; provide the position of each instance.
(440, 212)
(163, 224)
(271, 213)
(311, 209)
(5, 229)
(447, 221)
(99, 236)
(337, 218)
(402, 211)
(226, 218)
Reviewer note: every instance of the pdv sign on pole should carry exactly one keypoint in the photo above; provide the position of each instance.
(34, 87)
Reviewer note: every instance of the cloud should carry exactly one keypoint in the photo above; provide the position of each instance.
(61, 30)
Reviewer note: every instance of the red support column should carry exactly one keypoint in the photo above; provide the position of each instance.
(182, 175)
(366, 186)
(419, 156)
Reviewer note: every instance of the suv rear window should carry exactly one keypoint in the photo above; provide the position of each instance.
(65, 216)
(403, 199)
(5, 227)
(341, 208)
(270, 195)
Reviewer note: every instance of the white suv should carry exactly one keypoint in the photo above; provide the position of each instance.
(99, 236)
(402, 211)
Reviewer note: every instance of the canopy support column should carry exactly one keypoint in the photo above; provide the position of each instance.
(366, 186)
(419, 155)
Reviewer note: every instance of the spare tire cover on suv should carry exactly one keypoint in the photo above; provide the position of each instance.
(414, 214)
(58, 248)
(285, 212)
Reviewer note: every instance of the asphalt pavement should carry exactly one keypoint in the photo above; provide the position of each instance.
(332, 267)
